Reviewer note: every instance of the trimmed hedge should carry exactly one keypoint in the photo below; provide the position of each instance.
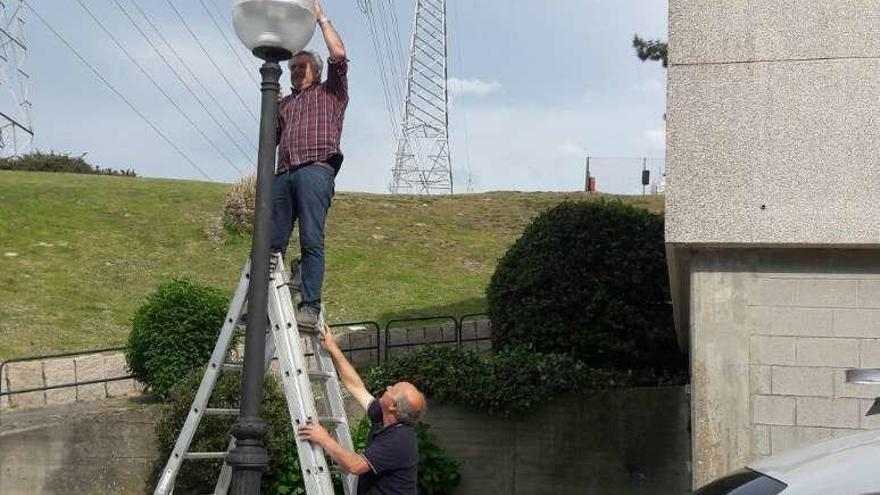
(174, 332)
(588, 279)
(512, 380)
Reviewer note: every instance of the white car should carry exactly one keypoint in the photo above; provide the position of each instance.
(844, 466)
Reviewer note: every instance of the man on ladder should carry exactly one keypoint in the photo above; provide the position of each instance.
(310, 127)
(389, 465)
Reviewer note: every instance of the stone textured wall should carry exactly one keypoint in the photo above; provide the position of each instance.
(771, 120)
(67, 370)
(776, 330)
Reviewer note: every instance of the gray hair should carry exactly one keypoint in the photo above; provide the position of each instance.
(406, 412)
(317, 63)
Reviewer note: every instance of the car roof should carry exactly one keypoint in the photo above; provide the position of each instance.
(843, 466)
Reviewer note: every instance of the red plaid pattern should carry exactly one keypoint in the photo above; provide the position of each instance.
(311, 121)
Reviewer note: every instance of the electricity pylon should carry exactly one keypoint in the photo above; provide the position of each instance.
(16, 119)
(422, 163)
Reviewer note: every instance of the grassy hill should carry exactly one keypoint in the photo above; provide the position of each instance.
(78, 253)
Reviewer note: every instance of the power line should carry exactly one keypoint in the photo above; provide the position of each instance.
(467, 151)
(157, 85)
(248, 70)
(387, 86)
(189, 71)
(213, 62)
(180, 78)
(117, 92)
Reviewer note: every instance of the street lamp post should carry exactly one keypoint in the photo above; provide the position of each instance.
(273, 30)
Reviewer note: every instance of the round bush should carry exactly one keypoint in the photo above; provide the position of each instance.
(238, 206)
(174, 332)
(589, 279)
(512, 380)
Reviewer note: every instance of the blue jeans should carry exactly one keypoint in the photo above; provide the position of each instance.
(304, 194)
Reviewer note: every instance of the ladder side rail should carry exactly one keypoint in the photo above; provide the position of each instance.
(296, 384)
(333, 393)
(165, 485)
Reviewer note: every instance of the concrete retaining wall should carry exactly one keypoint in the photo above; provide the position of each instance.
(103, 447)
(629, 441)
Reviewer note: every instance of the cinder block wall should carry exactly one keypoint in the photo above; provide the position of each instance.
(777, 330)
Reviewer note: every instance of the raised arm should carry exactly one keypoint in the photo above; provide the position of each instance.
(331, 37)
(349, 376)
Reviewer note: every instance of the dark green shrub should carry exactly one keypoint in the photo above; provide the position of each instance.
(513, 380)
(438, 473)
(589, 279)
(58, 162)
(198, 477)
(174, 332)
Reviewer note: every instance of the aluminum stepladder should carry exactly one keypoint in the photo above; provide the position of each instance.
(284, 342)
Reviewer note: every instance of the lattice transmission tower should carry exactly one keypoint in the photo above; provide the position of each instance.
(16, 118)
(422, 163)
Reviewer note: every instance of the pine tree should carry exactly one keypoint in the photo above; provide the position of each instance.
(650, 49)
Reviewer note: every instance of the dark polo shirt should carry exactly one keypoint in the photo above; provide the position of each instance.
(393, 455)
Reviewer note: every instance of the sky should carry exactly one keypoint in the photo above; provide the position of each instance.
(535, 88)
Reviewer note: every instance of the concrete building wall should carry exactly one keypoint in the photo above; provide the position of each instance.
(774, 331)
(773, 219)
(772, 112)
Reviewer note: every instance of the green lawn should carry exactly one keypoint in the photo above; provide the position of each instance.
(78, 253)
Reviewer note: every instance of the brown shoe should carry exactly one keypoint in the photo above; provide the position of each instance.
(307, 318)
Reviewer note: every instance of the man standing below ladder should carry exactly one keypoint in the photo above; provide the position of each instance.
(310, 127)
(389, 464)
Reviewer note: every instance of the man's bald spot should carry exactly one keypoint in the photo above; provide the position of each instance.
(413, 395)
(410, 402)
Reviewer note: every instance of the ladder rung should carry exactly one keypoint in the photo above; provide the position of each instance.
(231, 367)
(216, 411)
(335, 420)
(204, 456)
(321, 375)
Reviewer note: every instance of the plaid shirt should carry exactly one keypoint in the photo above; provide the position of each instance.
(310, 121)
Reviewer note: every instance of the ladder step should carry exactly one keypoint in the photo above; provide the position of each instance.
(333, 420)
(322, 375)
(231, 367)
(204, 456)
(216, 411)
